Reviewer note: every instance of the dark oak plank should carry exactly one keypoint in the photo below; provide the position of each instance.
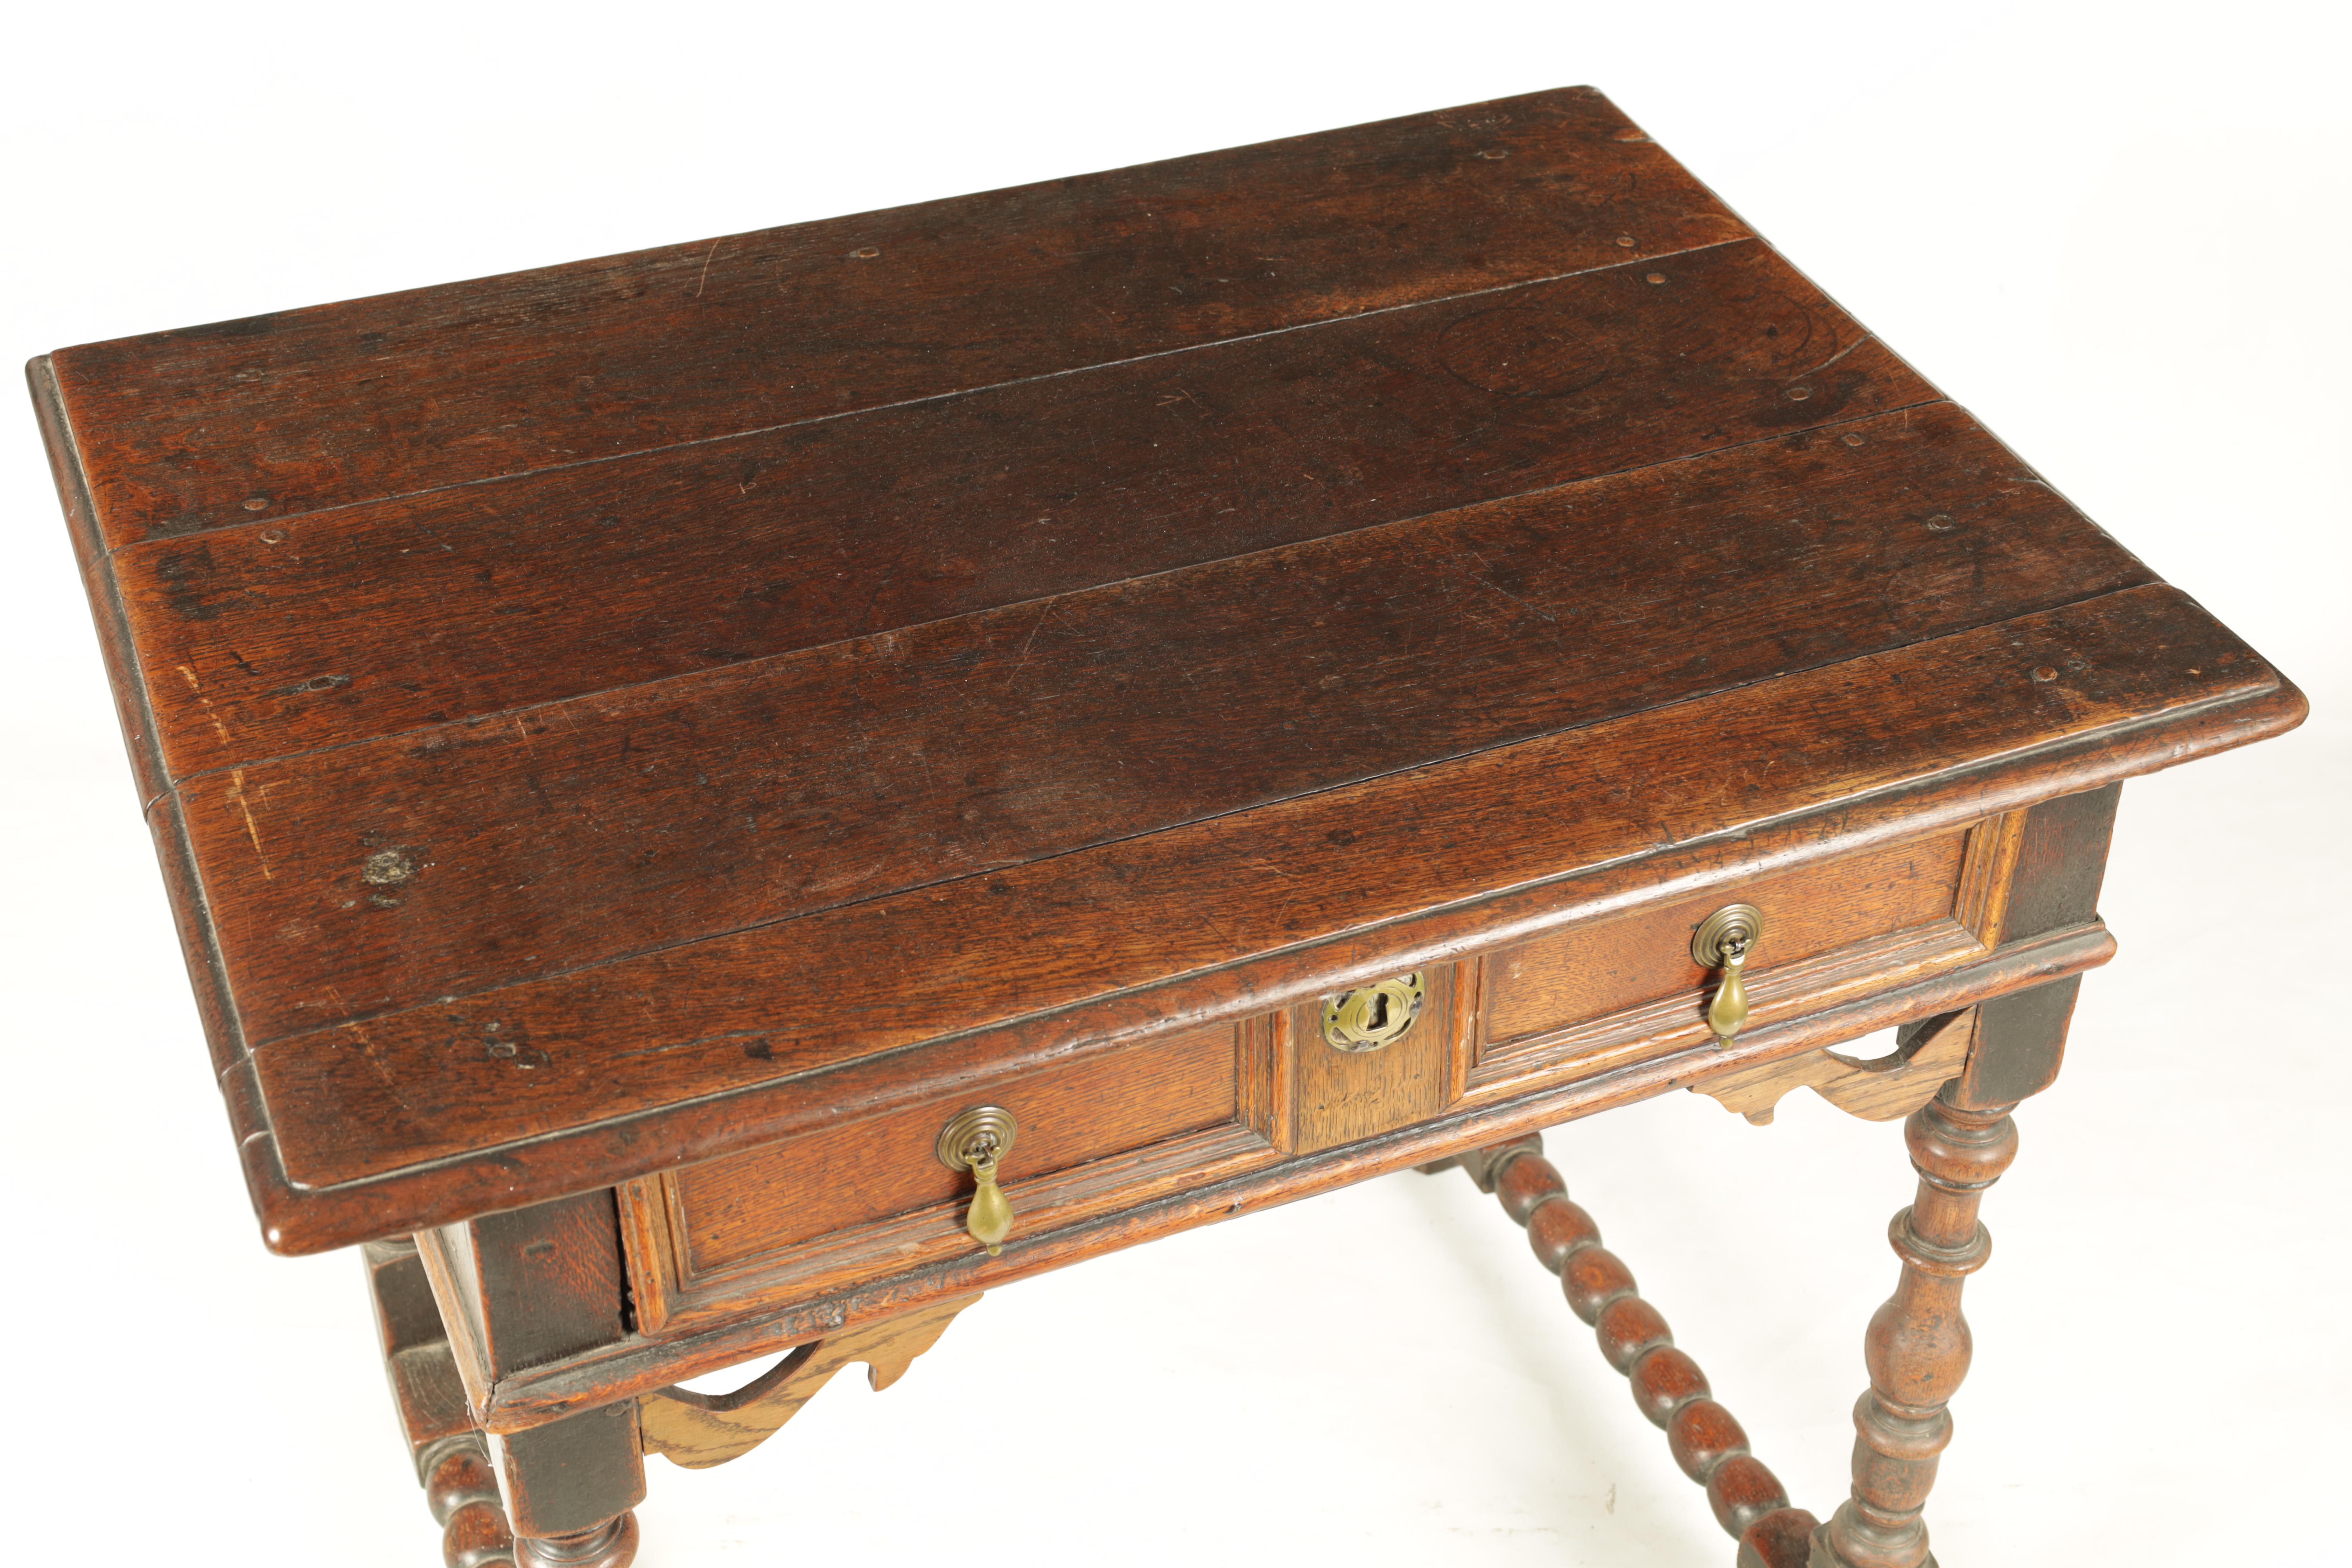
(276, 635)
(351, 883)
(352, 402)
(665, 1028)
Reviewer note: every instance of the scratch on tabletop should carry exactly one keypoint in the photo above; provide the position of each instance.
(252, 829)
(1480, 579)
(1030, 641)
(1834, 358)
(210, 717)
(704, 276)
(368, 1054)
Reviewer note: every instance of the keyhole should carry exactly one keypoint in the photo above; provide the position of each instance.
(1369, 1019)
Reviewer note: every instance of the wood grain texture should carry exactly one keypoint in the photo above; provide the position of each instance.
(1838, 977)
(452, 1462)
(1077, 1112)
(375, 878)
(1195, 896)
(676, 1295)
(339, 404)
(406, 1315)
(1610, 965)
(1847, 959)
(1988, 875)
(277, 636)
(524, 1287)
(699, 1430)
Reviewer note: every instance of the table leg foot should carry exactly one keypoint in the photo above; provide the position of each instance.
(612, 1544)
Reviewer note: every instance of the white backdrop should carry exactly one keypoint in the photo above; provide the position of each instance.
(2116, 232)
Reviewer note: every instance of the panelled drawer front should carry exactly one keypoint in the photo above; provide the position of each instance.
(1590, 970)
(870, 1197)
(771, 1199)
(1618, 989)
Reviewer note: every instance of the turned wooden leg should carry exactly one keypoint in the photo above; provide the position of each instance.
(1918, 1347)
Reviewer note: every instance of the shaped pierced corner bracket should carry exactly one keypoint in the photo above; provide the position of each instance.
(1723, 940)
(1748, 1500)
(1884, 1089)
(699, 1430)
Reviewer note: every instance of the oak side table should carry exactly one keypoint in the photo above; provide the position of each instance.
(736, 797)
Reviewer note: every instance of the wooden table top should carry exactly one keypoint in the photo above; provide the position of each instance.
(607, 716)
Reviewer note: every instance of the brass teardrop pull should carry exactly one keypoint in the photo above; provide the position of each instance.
(1723, 940)
(976, 1141)
(990, 1219)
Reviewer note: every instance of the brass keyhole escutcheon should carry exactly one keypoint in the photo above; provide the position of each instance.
(977, 1139)
(1724, 941)
(1371, 1016)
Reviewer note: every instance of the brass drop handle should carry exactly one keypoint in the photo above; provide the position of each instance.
(977, 1139)
(1724, 941)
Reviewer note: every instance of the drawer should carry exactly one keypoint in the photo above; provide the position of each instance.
(816, 1213)
(1626, 986)
(1110, 1129)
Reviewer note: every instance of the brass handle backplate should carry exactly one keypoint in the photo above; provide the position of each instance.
(1723, 940)
(976, 1141)
(1373, 1015)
